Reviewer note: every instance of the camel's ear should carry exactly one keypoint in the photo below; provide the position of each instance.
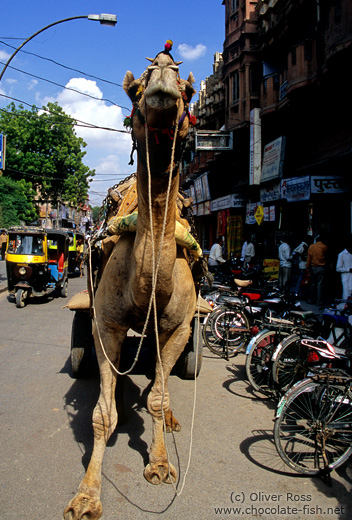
(188, 88)
(132, 86)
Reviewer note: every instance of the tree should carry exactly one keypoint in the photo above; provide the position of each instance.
(16, 204)
(95, 213)
(43, 147)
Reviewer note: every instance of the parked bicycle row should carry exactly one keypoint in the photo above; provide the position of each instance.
(297, 359)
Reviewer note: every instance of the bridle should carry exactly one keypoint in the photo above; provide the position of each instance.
(156, 132)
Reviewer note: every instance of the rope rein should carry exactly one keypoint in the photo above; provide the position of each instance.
(152, 303)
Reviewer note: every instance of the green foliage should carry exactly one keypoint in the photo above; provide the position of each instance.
(42, 147)
(16, 204)
(95, 213)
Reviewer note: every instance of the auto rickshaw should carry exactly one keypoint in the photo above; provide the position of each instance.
(74, 235)
(36, 262)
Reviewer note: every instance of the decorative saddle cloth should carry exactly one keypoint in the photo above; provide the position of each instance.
(124, 214)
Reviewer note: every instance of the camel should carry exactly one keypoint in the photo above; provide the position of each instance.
(160, 115)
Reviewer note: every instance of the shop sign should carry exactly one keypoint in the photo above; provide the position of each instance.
(221, 203)
(327, 185)
(255, 147)
(250, 212)
(273, 159)
(272, 214)
(298, 188)
(266, 214)
(270, 193)
(215, 140)
(237, 201)
(203, 208)
(259, 215)
(198, 187)
(229, 201)
(201, 187)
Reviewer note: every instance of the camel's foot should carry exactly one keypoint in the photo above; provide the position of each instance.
(83, 507)
(171, 423)
(158, 473)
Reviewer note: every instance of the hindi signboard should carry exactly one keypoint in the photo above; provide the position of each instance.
(273, 160)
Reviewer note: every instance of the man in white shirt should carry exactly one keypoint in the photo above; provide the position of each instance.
(344, 266)
(215, 255)
(285, 265)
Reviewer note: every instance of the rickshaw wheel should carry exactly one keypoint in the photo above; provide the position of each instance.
(81, 345)
(190, 361)
(64, 290)
(20, 298)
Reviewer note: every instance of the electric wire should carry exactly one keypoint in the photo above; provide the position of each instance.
(59, 64)
(64, 87)
(73, 122)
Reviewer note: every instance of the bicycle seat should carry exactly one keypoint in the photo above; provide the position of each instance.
(233, 300)
(243, 283)
(302, 314)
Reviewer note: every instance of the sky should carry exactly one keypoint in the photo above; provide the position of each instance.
(82, 55)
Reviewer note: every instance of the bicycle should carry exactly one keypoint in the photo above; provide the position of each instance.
(292, 357)
(313, 423)
(261, 348)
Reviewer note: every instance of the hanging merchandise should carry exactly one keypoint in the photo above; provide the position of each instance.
(234, 235)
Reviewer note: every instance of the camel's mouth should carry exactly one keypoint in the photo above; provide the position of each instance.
(161, 100)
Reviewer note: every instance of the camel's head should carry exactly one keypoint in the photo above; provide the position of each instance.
(160, 97)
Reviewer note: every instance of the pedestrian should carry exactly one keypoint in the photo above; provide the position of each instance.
(249, 253)
(317, 263)
(80, 256)
(244, 247)
(3, 242)
(344, 266)
(285, 259)
(302, 252)
(215, 255)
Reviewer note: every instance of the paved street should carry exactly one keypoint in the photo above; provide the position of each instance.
(46, 437)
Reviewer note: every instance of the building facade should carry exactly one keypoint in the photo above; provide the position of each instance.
(286, 103)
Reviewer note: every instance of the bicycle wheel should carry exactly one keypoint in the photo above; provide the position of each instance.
(225, 332)
(290, 363)
(258, 361)
(313, 427)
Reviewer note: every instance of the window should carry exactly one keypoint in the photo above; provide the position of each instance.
(235, 86)
(293, 57)
(234, 5)
(308, 50)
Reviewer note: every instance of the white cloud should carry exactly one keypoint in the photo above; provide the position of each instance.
(4, 56)
(32, 84)
(191, 53)
(96, 112)
(107, 152)
(11, 81)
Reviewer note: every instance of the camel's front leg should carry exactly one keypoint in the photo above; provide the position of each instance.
(86, 504)
(159, 468)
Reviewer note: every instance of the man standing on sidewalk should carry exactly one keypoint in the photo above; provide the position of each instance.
(316, 262)
(3, 241)
(285, 266)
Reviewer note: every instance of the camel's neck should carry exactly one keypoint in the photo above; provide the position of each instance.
(163, 235)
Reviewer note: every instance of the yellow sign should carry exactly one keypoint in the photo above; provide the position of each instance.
(259, 215)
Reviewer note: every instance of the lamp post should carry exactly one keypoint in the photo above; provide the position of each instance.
(104, 19)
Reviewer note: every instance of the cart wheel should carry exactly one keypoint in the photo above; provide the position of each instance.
(190, 361)
(64, 290)
(81, 345)
(21, 295)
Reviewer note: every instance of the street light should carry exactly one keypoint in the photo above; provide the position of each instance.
(104, 19)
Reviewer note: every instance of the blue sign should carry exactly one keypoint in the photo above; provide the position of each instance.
(2, 151)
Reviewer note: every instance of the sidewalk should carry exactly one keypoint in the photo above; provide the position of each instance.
(3, 277)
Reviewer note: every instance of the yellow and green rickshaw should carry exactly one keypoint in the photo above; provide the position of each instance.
(36, 262)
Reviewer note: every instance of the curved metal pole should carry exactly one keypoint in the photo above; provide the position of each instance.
(33, 35)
